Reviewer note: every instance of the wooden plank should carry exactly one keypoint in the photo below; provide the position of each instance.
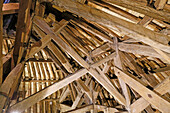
(9, 86)
(24, 104)
(1, 42)
(132, 30)
(147, 94)
(10, 8)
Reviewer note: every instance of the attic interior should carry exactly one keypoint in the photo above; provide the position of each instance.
(85, 56)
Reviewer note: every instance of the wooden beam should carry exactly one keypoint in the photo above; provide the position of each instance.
(10, 8)
(140, 104)
(124, 87)
(22, 29)
(138, 7)
(9, 86)
(132, 30)
(26, 103)
(129, 48)
(147, 94)
(1, 42)
(139, 49)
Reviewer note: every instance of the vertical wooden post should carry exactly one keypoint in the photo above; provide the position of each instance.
(22, 28)
(1, 40)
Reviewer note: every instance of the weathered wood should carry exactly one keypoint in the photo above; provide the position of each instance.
(129, 48)
(9, 86)
(114, 9)
(137, 32)
(21, 31)
(118, 63)
(10, 8)
(147, 94)
(138, 7)
(1, 42)
(140, 104)
(139, 49)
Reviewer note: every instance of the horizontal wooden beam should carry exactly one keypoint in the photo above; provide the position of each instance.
(138, 32)
(10, 8)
